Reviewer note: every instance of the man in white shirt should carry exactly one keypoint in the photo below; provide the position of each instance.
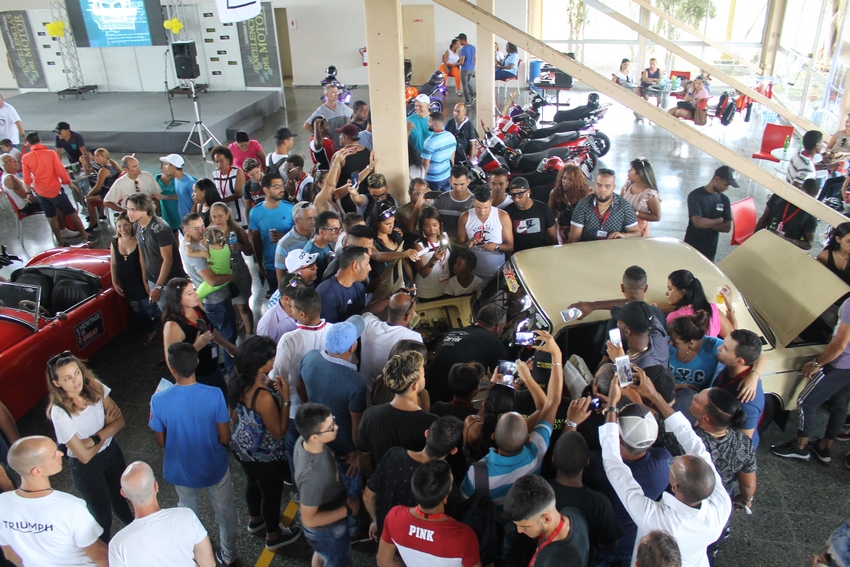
(802, 166)
(173, 536)
(134, 180)
(697, 511)
(379, 337)
(42, 526)
(10, 123)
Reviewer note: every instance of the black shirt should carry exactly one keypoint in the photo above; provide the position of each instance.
(602, 528)
(253, 192)
(355, 163)
(469, 344)
(570, 551)
(530, 225)
(789, 220)
(464, 135)
(701, 203)
(384, 426)
(450, 408)
(72, 146)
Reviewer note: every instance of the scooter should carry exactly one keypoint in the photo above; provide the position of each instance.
(494, 153)
(434, 89)
(330, 79)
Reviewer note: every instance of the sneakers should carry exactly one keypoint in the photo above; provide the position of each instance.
(459, 93)
(822, 455)
(844, 435)
(790, 450)
(68, 233)
(219, 559)
(256, 528)
(287, 536)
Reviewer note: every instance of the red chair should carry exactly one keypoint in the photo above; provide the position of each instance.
(19, 216)
(685, 76)
(743, 220)
(773, 138)
(514, 78)
(703, 105)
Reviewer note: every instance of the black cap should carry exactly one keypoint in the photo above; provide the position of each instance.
(636, 315)
(284, 134)
(727, 173)
(519, 183)
(62, 126)
(33, 138)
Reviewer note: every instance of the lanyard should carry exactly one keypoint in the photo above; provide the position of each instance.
(785, 216)
(736, 378)
(546, 542)
(222, 187)
(430, 516)
(601, 218)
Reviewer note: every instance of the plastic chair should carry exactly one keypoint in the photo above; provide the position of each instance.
(703, 105)
(685, 76)
(773, 138)
(19, 216)
(743, 220)
(514, 78)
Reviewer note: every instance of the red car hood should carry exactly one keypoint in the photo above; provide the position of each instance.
(92, 260)
(11, 333)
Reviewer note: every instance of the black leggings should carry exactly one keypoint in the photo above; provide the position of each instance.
(99, 483)
(264, 489)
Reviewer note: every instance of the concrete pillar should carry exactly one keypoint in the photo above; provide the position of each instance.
(535, 18)
(386, 92)
(772, 31)
(485, 70)
(845, 102)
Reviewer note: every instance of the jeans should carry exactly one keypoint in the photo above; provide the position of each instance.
(224, 319)
(831, 386)
(263, 490)
(146, 313)
(290, 440)
(221, 498)
(442, 185)
(468, 89)
(831, 188)
(99, 483)
(161, 302)
(504, 74)
(271, 277)
(332, 543)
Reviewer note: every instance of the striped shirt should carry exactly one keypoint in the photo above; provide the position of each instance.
(800, 168)
(439, 148)
(504, 471)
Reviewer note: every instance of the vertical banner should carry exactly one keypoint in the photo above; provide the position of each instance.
(21, 45)
(258, 45)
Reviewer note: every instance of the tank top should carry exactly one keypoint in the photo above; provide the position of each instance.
(434, 284)
(207, 356)
(488, 231)
(130, 273)
(20, 203)
(225, 185)
(110, 179)
(452, 58)
(252, 442)
(638, 203)
(843, 274)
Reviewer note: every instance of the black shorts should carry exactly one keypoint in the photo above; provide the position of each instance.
(60, 201)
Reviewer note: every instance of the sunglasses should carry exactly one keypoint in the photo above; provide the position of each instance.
(388, 213)
(51, 363)
(518, 193)
(334, 230)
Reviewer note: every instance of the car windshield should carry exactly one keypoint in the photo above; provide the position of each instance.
(506, 291)
(20, 303)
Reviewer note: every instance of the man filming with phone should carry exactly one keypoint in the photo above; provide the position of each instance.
(639, 334)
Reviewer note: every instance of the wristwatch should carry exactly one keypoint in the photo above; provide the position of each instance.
(815, 362)
(160, 287)
(286, 404)
(570, 423)
(95, 438)
(610, 409)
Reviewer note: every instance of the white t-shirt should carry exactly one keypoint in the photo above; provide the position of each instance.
(167, 537)
(376, 342)
(454, 287)
(291, 349)
(8, 128)
(51, 530)
(20, 203)
(83, 425)
(124, 187)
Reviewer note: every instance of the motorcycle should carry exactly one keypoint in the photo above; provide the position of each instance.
(434, 89)
(494, 153)
(330, 79)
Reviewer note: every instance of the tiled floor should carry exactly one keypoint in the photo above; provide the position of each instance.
(797, 505)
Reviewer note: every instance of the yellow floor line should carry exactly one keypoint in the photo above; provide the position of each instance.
(285, 519)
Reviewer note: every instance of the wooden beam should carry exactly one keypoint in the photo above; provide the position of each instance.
(704, 38)
(678, 128)
(694, 60)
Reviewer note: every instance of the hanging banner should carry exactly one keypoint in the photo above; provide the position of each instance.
(258, 44)
(237, 10)
(20, 44)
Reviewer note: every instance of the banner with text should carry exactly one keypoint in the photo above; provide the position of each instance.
(21, 46)
(258, 44)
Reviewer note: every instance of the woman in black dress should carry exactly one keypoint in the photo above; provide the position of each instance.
(127, 276)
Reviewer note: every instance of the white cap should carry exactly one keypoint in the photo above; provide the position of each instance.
(297, 259)
(638, 427)
(174, 159)
(424, 99)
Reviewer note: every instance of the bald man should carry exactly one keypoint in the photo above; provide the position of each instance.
(180, 539)
(42, 526)
(379, 336)
(465, 134)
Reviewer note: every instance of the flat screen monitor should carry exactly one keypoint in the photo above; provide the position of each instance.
(116, 23)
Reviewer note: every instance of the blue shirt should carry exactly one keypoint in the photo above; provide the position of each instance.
(184, 188)
(510, 58)
(420, 131)
(340, 302)
(700, 371)
(439, 148)
(754, 408)
(188, 416)
(337, 384)
(468, 51)
(264, 219)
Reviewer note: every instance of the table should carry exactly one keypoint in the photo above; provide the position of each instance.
(545, 87)
(782, 155)
(664, 92)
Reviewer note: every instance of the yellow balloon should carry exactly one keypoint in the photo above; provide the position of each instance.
(55, 29)
(167, 24)
(174, 25)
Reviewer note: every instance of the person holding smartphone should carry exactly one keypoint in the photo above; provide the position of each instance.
(642, 336)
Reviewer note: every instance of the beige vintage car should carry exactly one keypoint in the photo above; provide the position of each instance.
(779, 292)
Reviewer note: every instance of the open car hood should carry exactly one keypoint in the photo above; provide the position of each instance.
(788, 288)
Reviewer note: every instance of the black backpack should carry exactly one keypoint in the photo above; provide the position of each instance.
(728, 114)
(479, 513)
(721, 104)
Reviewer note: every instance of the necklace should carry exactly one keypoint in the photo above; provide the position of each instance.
(718, 435)
(34, 491)
(845, 258)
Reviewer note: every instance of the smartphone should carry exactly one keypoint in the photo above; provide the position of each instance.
(433, 194)
(524, 338)
(507, 369)
(444, 241)
(595, 404)
(614, 336)
(624, 370)
(202, 326)
(355, 177)
(571, 314)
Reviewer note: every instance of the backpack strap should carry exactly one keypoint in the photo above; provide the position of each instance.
(481, 478)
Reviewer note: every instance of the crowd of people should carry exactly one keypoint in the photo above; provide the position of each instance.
(332, 391)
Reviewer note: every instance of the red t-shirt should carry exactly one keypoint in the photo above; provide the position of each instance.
(441, 543)
(323, 157)
(239, 156)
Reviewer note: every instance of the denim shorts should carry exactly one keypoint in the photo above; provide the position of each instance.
(61, 201)
(332, 543)
(353, 485)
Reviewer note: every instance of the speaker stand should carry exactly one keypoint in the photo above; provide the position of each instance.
(205, 137)
(172, 123)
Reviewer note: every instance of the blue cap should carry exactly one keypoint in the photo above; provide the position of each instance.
(342, 336)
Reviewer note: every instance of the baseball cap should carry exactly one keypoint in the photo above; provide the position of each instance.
(638, 427)
(424, 99)
(637, 315)
(284, 134)
(519, 183)
(297, 259)
(350, 130)
(174, 159)
(342, 336)
(62, 126)
(727, 173)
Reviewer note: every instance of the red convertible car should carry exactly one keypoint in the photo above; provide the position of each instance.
(61, 300)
